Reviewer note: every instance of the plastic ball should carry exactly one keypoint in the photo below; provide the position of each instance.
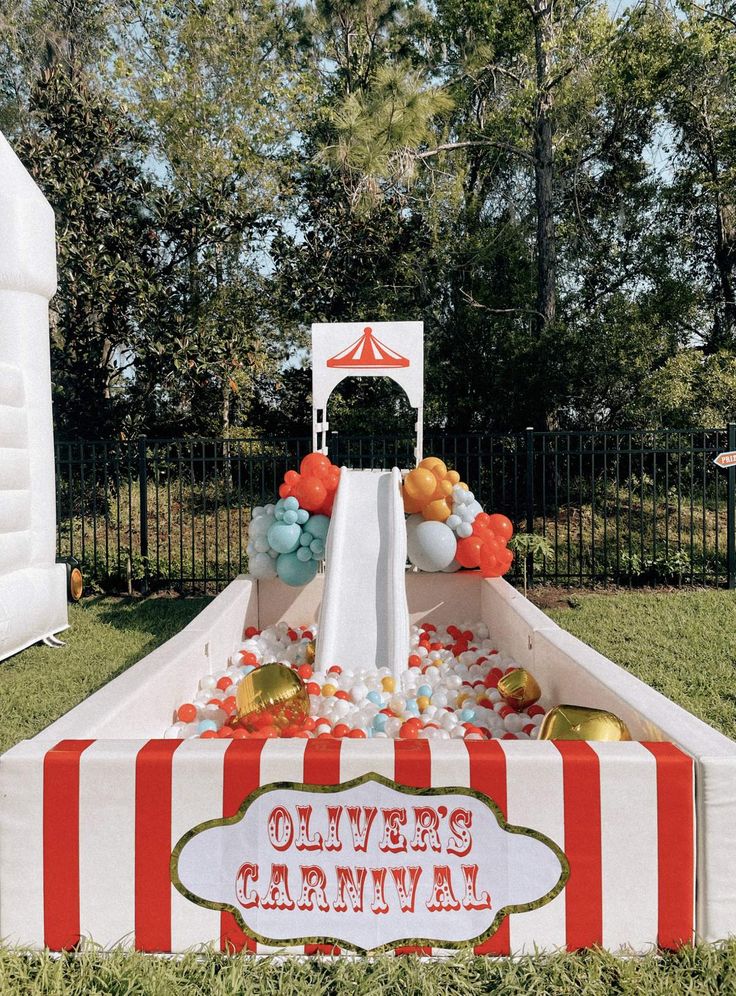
(293, 571)
(431, 546)
(284, 538)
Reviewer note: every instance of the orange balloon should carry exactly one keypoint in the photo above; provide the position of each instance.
(310, 492)
(489, 566)
(333, 477)
(315, 465)
(434, 464)
(453, 477)
(482, 521)
(445, 488)
(284, 491)
(420, 483)
(468, 551)
(326, 506)
(502, 526)
(436, 511)
(291, 477)
(412, 505)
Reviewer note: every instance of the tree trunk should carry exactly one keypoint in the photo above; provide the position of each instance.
(544, 169)
(725, 260)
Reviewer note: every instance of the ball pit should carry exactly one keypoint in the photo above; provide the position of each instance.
(447, 692)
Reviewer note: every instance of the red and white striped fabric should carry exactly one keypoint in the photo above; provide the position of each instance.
(87, 829)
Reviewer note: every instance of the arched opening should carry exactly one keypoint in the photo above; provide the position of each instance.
(372, 424)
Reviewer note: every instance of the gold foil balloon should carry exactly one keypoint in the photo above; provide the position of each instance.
(311, 651)
(570, 722)
(272, 692)
(519, 688)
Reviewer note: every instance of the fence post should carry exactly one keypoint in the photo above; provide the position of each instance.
(731, 510)
(530, 497)
(143, 496)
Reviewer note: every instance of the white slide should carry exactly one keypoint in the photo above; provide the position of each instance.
(364, 619)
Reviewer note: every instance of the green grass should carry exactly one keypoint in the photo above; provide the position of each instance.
(700, 972)
(682, 643)
(107, 635)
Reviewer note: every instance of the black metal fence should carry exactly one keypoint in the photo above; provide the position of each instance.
(633, 507)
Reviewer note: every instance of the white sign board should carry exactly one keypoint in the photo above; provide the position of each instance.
(366, 349)
(367, 865)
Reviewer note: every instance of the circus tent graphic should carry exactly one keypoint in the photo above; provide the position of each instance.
(367, 352)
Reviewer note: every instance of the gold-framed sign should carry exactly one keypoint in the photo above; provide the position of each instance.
(367, 865)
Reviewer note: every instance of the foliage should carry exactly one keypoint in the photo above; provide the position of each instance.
(530, 549)
(548, 186)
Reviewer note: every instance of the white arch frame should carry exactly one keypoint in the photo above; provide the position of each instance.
(366, 349)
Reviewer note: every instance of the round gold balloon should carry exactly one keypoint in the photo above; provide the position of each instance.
(519, 688)
(570, 722)
(273, 689)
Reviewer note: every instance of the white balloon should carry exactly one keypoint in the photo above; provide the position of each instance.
(262, 566)
(453, 521)
(464, 530)
(452, 567)
(413, 521)
(431, 546)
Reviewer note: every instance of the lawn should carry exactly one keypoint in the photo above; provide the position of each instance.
(681, 642)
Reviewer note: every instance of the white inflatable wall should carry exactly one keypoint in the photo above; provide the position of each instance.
(32, 585)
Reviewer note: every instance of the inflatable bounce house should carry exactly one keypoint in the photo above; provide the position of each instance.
(33, 587)
(343, 748)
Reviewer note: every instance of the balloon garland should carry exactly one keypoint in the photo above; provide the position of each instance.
(447, 528)
(287, 540)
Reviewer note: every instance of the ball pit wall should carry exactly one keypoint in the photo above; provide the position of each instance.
(121, 721)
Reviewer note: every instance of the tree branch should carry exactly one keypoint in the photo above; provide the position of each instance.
(452, 146)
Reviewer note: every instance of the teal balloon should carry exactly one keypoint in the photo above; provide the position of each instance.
(290, 504)
(290, 516)
(317, 546)
(318, 526)
(304, 553)
(302, 516)
(284, 537)
(306, 538)
(295, 572)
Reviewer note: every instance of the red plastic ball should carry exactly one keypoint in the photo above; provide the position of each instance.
(186, 713)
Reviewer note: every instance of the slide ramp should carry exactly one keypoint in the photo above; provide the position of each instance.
(364, 619)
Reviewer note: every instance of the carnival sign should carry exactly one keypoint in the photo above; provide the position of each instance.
(367, 864)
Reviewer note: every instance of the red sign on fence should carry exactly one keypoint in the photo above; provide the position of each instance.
(726, 459)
